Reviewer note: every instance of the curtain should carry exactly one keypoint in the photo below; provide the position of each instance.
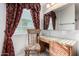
(35, 13)
(53, 16)
(46, 21)
(13, 14)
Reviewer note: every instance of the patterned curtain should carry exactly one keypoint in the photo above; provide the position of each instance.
(13, 14)
(35, 13)
(46, 21)
(53, 16)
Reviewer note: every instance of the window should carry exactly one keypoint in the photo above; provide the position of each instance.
(50, 25)
(25, 22)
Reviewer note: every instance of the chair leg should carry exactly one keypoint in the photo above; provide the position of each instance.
(28, 52)
(38, 53)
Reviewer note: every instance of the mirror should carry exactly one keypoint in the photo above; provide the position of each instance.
(66, 17)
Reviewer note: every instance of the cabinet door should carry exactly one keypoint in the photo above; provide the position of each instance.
(57, 49)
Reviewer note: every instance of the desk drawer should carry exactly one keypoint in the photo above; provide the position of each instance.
(58, 49)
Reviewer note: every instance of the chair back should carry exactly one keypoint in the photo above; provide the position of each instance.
(33, 36)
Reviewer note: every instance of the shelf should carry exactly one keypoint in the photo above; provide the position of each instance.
(67, 23)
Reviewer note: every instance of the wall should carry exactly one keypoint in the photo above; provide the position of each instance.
(65, 18)
(20, 42)
(77, 16)
(41, 16)
(77, 20)
(2, 24)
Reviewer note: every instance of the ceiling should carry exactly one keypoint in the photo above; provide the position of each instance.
(57, 6)
(61, 8)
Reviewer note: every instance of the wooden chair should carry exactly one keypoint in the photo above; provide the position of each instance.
(33, 42)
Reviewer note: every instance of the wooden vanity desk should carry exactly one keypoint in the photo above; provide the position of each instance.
(57, 47)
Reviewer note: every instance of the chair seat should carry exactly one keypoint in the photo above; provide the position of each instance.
(33, 47)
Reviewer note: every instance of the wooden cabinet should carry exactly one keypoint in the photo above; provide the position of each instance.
(55, 48)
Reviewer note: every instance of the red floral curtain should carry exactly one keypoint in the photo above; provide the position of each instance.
(46, 21)
(53, 16)
(13, 14)
(35, 12)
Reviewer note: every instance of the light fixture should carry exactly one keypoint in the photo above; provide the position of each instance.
(52, 3)
(49, 4)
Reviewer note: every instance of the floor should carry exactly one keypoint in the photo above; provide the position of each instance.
(42, 54)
